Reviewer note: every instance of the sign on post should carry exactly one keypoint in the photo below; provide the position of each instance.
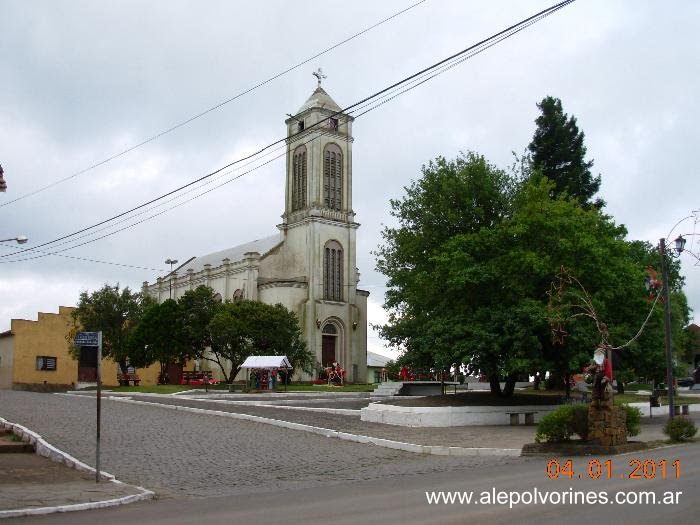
(94, 339)
(86, 339)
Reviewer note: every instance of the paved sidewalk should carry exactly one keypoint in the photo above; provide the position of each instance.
(29, 481)
(38, 478)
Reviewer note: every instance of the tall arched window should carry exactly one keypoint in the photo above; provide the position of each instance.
(333, 177)
(299, 178)
(333, 271)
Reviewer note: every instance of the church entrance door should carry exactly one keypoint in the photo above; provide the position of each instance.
(328, 350)
(328, 345)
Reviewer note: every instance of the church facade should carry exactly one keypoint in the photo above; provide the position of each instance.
(309, 266)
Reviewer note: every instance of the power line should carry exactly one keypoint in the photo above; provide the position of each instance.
(212, 108)
(96, 260)
(388, 93)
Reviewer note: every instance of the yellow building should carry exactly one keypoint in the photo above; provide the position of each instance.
(34, 356)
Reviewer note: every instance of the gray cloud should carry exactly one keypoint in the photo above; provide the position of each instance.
(82, 80)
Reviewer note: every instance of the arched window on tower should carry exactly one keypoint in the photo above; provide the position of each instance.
(333, 177)
(333, 271)
(299, 178)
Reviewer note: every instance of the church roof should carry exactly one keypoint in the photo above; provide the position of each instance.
(319, 99)
(377, 359)
(262, 246)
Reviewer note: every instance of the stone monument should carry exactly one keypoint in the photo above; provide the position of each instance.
(606, 422)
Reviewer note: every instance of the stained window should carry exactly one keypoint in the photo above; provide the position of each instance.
(333, 271)
(332, 177)
(299, 178)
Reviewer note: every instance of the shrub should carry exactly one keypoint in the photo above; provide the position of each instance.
(559, 425)
(634, 417)
(680, 428)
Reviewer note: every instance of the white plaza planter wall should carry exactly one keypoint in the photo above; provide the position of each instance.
(449, 416)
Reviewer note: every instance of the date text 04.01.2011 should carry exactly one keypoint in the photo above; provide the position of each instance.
(603, 469)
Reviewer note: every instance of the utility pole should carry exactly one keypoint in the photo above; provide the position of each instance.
(667, 327)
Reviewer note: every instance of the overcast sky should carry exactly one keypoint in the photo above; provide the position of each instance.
(83, 80)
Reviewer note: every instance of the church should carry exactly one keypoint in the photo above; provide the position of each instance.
(309, 266)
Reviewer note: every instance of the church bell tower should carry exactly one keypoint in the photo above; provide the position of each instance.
(319, 223)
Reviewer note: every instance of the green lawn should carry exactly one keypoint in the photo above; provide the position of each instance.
(171, 389)
(149, 389)
(621, 398)
(324, 388)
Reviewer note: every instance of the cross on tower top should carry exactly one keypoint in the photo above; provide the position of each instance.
(319, 76)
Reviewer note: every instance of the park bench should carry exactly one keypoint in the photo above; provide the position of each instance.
(237, 386)
(515, 418)
(678, 409)
(126, 379)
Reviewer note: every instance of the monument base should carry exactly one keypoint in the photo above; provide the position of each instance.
(606, 422)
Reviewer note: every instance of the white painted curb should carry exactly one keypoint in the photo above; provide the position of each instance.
(54, 454)
(436, 450)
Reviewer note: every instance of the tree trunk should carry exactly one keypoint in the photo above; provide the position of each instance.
(495, 383)
(227, 379)
(510, 385)
(567, 379)
(620, 387)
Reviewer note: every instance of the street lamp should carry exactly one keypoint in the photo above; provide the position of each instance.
(679, 247)
(171, 262)
(20, 239)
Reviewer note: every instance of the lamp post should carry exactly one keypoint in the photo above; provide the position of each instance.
(171, 262)
(20, 239)
(679, 245)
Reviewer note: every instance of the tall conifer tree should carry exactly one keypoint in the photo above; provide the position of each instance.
(558, 150)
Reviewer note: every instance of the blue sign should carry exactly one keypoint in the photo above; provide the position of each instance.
(86, 339)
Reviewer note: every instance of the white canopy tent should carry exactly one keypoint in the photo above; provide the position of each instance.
(269, 362)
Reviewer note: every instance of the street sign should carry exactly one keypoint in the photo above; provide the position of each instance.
(86, 339)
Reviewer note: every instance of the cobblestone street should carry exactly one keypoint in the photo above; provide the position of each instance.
(196, 455)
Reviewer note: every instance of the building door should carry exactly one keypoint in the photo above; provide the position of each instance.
(328, 345)
(87, 364)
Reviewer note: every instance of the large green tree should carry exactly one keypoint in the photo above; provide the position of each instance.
(245, 328)
(115, 311)
(159, 338)
(644, 357)
(471, 263)
(452, 197)
(558, 151)
(197, 309)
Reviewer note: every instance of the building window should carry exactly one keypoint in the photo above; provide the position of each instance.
(333, 271)
(238, 295)
(333, 124)
(44, 362)
(299, 178)
(300, 126)
(218, 298)
(333, 177)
